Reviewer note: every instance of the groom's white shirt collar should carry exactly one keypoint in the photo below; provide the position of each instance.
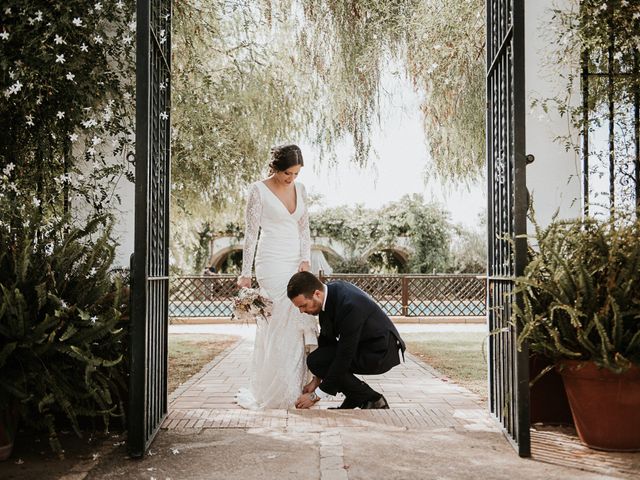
(326, 292)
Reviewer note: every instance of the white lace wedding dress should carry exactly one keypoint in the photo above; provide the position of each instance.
(278, 366)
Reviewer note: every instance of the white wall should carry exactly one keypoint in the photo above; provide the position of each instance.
(124, 227)
(554, 179)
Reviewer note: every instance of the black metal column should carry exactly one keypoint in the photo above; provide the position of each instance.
(507, 207)
(150, 264)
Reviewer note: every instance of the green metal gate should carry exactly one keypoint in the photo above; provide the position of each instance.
(507, 206)
(150, 263)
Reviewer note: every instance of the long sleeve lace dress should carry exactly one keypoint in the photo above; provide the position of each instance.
(278, 366)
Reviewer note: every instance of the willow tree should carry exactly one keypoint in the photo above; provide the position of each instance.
(248, 75)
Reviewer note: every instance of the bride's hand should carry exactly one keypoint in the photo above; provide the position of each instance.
(304, 266)
(244, 282)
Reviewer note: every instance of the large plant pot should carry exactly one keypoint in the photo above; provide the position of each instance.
(548, 400)
(605, 405)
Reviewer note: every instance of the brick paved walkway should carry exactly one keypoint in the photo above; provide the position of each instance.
(417, 396)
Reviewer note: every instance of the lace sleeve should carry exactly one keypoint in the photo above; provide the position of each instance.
(252, 215)
(303, 229)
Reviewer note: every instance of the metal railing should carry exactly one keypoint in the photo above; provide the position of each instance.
(398, 295)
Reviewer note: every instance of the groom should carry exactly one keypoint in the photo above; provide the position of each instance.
(356, 336)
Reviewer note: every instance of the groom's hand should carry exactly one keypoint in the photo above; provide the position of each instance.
(305, 401)
(312, 385)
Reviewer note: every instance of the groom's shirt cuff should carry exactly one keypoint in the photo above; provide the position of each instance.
(321, 394)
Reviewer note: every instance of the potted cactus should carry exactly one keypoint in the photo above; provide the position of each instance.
(580, 309)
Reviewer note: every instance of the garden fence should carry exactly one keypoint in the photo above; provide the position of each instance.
(439, 295)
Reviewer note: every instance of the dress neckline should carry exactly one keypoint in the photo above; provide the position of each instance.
(295, 189)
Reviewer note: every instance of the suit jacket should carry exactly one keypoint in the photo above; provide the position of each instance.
(366, 340)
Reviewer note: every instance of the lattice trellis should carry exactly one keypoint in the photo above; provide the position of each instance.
(397, 295)
(446, 296)
(208, 296)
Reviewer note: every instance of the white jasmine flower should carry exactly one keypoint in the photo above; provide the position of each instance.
(132, 26)
(89, 123)
(93, 320)
(164, 115)
(38, 17)
(73, 137)
(127, 95)
(603, 7)
(4, 35)
(13, 89)
(60, 115)
(77, 22)
(96, 140)
(36, 202)
(92, 272)
(98, 39)
(98, 6)
(70, 76)
(127, 39)
(9, 168)
(29, 120)
(84, 48)
(38, 99)
(60, 58)
(91, 151)
(58, 40)
(119, 4)
(7, 11)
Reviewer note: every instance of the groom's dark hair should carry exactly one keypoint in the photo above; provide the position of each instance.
(303, 283)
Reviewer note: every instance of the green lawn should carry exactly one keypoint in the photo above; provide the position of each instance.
(459, 356)
(188, 353)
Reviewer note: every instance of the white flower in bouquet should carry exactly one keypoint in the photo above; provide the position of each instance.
(249, 305)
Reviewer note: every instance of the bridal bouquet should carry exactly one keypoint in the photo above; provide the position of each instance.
(248, 305)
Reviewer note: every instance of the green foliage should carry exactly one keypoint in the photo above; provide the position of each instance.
(581, 293)
(66, 74)
(468, 252)
(369, 231)
(63, 323)
(439, 45)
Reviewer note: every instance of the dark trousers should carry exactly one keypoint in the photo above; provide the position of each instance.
(355, 390)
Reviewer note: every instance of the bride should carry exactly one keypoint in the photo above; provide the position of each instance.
(277, 208)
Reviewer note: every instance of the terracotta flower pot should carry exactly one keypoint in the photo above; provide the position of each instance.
(605, 405)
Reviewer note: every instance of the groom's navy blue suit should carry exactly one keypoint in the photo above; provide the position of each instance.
(356, 336)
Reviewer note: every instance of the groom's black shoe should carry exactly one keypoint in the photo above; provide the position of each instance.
(346, 405)
(380, 403)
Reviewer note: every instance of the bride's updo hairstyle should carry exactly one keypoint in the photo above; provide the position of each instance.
(285, 156)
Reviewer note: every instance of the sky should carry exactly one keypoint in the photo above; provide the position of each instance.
(398, 169)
